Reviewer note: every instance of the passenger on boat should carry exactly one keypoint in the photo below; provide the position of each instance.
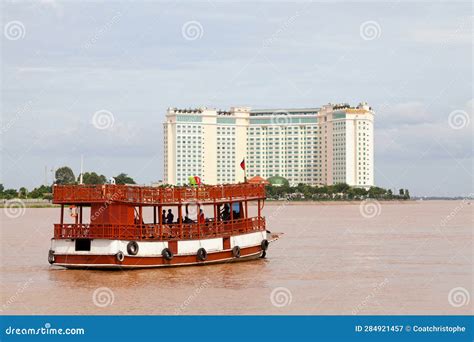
(236, 214)
(186, 217)
(169, 217)
(163, 216)
(136, 219)
(226, 212)
(202, 218)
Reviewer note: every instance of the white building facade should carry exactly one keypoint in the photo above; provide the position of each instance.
(316, 146)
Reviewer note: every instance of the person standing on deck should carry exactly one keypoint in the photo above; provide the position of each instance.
(169, 217)
(202, 218)
(226, 213)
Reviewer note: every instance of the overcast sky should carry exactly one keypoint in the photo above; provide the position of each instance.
(64, 61)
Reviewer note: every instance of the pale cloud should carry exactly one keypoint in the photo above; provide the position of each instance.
(55, 5)
(32, 69)
(408, 130)
(414, 75)
(409, 113)
(440, 36)
(460, 32)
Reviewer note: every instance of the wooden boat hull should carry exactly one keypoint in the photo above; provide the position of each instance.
(130, 262)
(103, 253)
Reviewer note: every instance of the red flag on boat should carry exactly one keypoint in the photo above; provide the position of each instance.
(197, 180)
(242, 164)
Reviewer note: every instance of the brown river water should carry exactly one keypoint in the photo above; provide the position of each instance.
(387, 258)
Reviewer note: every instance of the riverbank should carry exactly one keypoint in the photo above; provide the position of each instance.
(37, 206)
(27, 203)
(336, 202)
(268, 202)
(32, 205)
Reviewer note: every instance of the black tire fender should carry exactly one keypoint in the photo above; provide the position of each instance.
(132, 248)
(120, 256)
(51, 257)
(201, 254)
(167, 254)
(236, 252)
(264, 244)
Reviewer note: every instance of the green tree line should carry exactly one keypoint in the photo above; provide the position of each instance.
(341, 191)
(64, 175)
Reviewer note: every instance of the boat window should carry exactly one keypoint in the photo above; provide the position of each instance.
(83, 245)
(236, 207)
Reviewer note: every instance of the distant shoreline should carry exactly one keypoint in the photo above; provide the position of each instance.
(335, 202)
(283, 202)
(34, 205)
(345, 202)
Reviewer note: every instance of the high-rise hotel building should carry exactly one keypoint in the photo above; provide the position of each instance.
(327, 145)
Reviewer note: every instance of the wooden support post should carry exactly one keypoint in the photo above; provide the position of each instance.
(154, 221)
(259, 210)
(231, 217)
(160, 220)
(80, 214)
(140, 220)
(246, 216)
(62, 215)
(198, 223)
(215, 217)
(180, 221)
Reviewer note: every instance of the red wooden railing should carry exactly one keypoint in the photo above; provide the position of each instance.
(147, 195)
(155, 232)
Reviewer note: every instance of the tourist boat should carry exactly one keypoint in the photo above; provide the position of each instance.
(114, 232)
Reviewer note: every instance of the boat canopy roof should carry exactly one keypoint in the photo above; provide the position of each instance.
(153, 196)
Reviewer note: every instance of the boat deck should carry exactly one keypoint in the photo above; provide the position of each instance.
(152, 196)
(159, 232)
